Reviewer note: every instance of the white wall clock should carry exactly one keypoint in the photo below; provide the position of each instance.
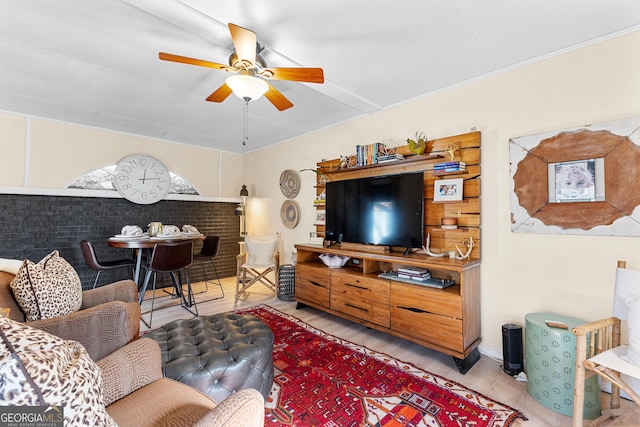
(141, 179)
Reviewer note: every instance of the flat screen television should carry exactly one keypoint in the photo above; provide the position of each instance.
(382, 210)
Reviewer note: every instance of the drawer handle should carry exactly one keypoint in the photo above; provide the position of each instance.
(413, 309)
(355, 306)
(356, 286)
(316, 284)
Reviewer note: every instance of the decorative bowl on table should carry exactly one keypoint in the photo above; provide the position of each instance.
(131, 230)
(333, 261)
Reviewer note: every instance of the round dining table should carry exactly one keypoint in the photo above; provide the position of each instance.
(138, 244)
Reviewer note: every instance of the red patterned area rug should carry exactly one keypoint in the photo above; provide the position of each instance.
(323, 380)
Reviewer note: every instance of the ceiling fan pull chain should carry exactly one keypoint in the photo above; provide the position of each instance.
(246, 121)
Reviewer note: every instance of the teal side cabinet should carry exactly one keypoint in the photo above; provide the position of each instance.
(551, 365)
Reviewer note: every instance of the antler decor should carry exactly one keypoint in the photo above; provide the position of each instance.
(428, 251)
(451, 149)
(461, 256)
(465, 256)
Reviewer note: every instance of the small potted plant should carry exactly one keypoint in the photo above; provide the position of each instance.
(419, 144)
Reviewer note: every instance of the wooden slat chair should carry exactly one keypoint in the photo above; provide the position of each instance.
(598, 351)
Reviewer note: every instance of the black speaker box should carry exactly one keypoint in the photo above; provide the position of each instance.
(512, 349)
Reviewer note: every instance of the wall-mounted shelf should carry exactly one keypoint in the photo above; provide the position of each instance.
(410, 159)
(449, 173)
(417, 163)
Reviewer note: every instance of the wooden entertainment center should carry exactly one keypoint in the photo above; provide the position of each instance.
(446, 319)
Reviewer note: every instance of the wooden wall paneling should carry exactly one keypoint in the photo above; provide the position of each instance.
(471, 182)
(467, 211)
(322, 168)
(328, 165)
(439, 146)
(471, 156)
(461, 233)
(446, 240)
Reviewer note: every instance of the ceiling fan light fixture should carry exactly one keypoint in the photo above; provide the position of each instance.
(247, 87)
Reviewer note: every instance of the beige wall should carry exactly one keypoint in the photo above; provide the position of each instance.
(52, 154)
(13, 131)
(521, 273)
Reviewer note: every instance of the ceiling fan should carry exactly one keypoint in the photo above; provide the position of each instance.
(252, 73)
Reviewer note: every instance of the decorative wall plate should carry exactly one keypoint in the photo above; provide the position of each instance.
(290, 213)
(290, 183)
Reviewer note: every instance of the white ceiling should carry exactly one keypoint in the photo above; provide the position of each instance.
(96, 62)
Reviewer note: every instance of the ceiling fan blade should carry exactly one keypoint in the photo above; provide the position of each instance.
(245, 42)
(277, 98)
(186, 60)
(220, 94)
(310, 75)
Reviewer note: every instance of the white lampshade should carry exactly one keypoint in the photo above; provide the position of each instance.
(247, 86)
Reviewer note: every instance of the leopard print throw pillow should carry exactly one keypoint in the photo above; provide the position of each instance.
(37, 368)
(47, 289)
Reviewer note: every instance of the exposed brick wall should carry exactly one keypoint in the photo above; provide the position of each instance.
(33, 226)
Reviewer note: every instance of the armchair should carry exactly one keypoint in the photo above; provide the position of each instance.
(109, 316)
(136, 394)
(126, 387)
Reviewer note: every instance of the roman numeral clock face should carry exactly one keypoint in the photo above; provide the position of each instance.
(141, 179)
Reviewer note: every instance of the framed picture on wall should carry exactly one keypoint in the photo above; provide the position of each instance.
(576, 181)
(320, 217)
(447, 190)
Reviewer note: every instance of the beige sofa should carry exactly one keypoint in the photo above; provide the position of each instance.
(133, 389)
(126, 387)
(136, 394)
(108, 319)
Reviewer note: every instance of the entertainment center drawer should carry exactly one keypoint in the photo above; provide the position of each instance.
(353, 286)
(363, 309)
(445, 302)
(441, 330)
(312, 284)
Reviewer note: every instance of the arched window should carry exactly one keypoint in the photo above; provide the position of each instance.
(102, 179)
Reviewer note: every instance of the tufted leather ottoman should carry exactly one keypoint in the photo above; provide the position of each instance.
(218, 354)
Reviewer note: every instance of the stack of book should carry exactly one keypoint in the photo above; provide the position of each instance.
(368, 154)
(449, 167)
(417, 274)
(390, 158)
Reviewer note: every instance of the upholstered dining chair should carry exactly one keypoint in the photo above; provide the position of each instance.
(98, 266)
(208, 252)
(599, 351)
(174, 258)
(254, 265)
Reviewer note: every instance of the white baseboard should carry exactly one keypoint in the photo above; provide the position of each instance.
(489, 352)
